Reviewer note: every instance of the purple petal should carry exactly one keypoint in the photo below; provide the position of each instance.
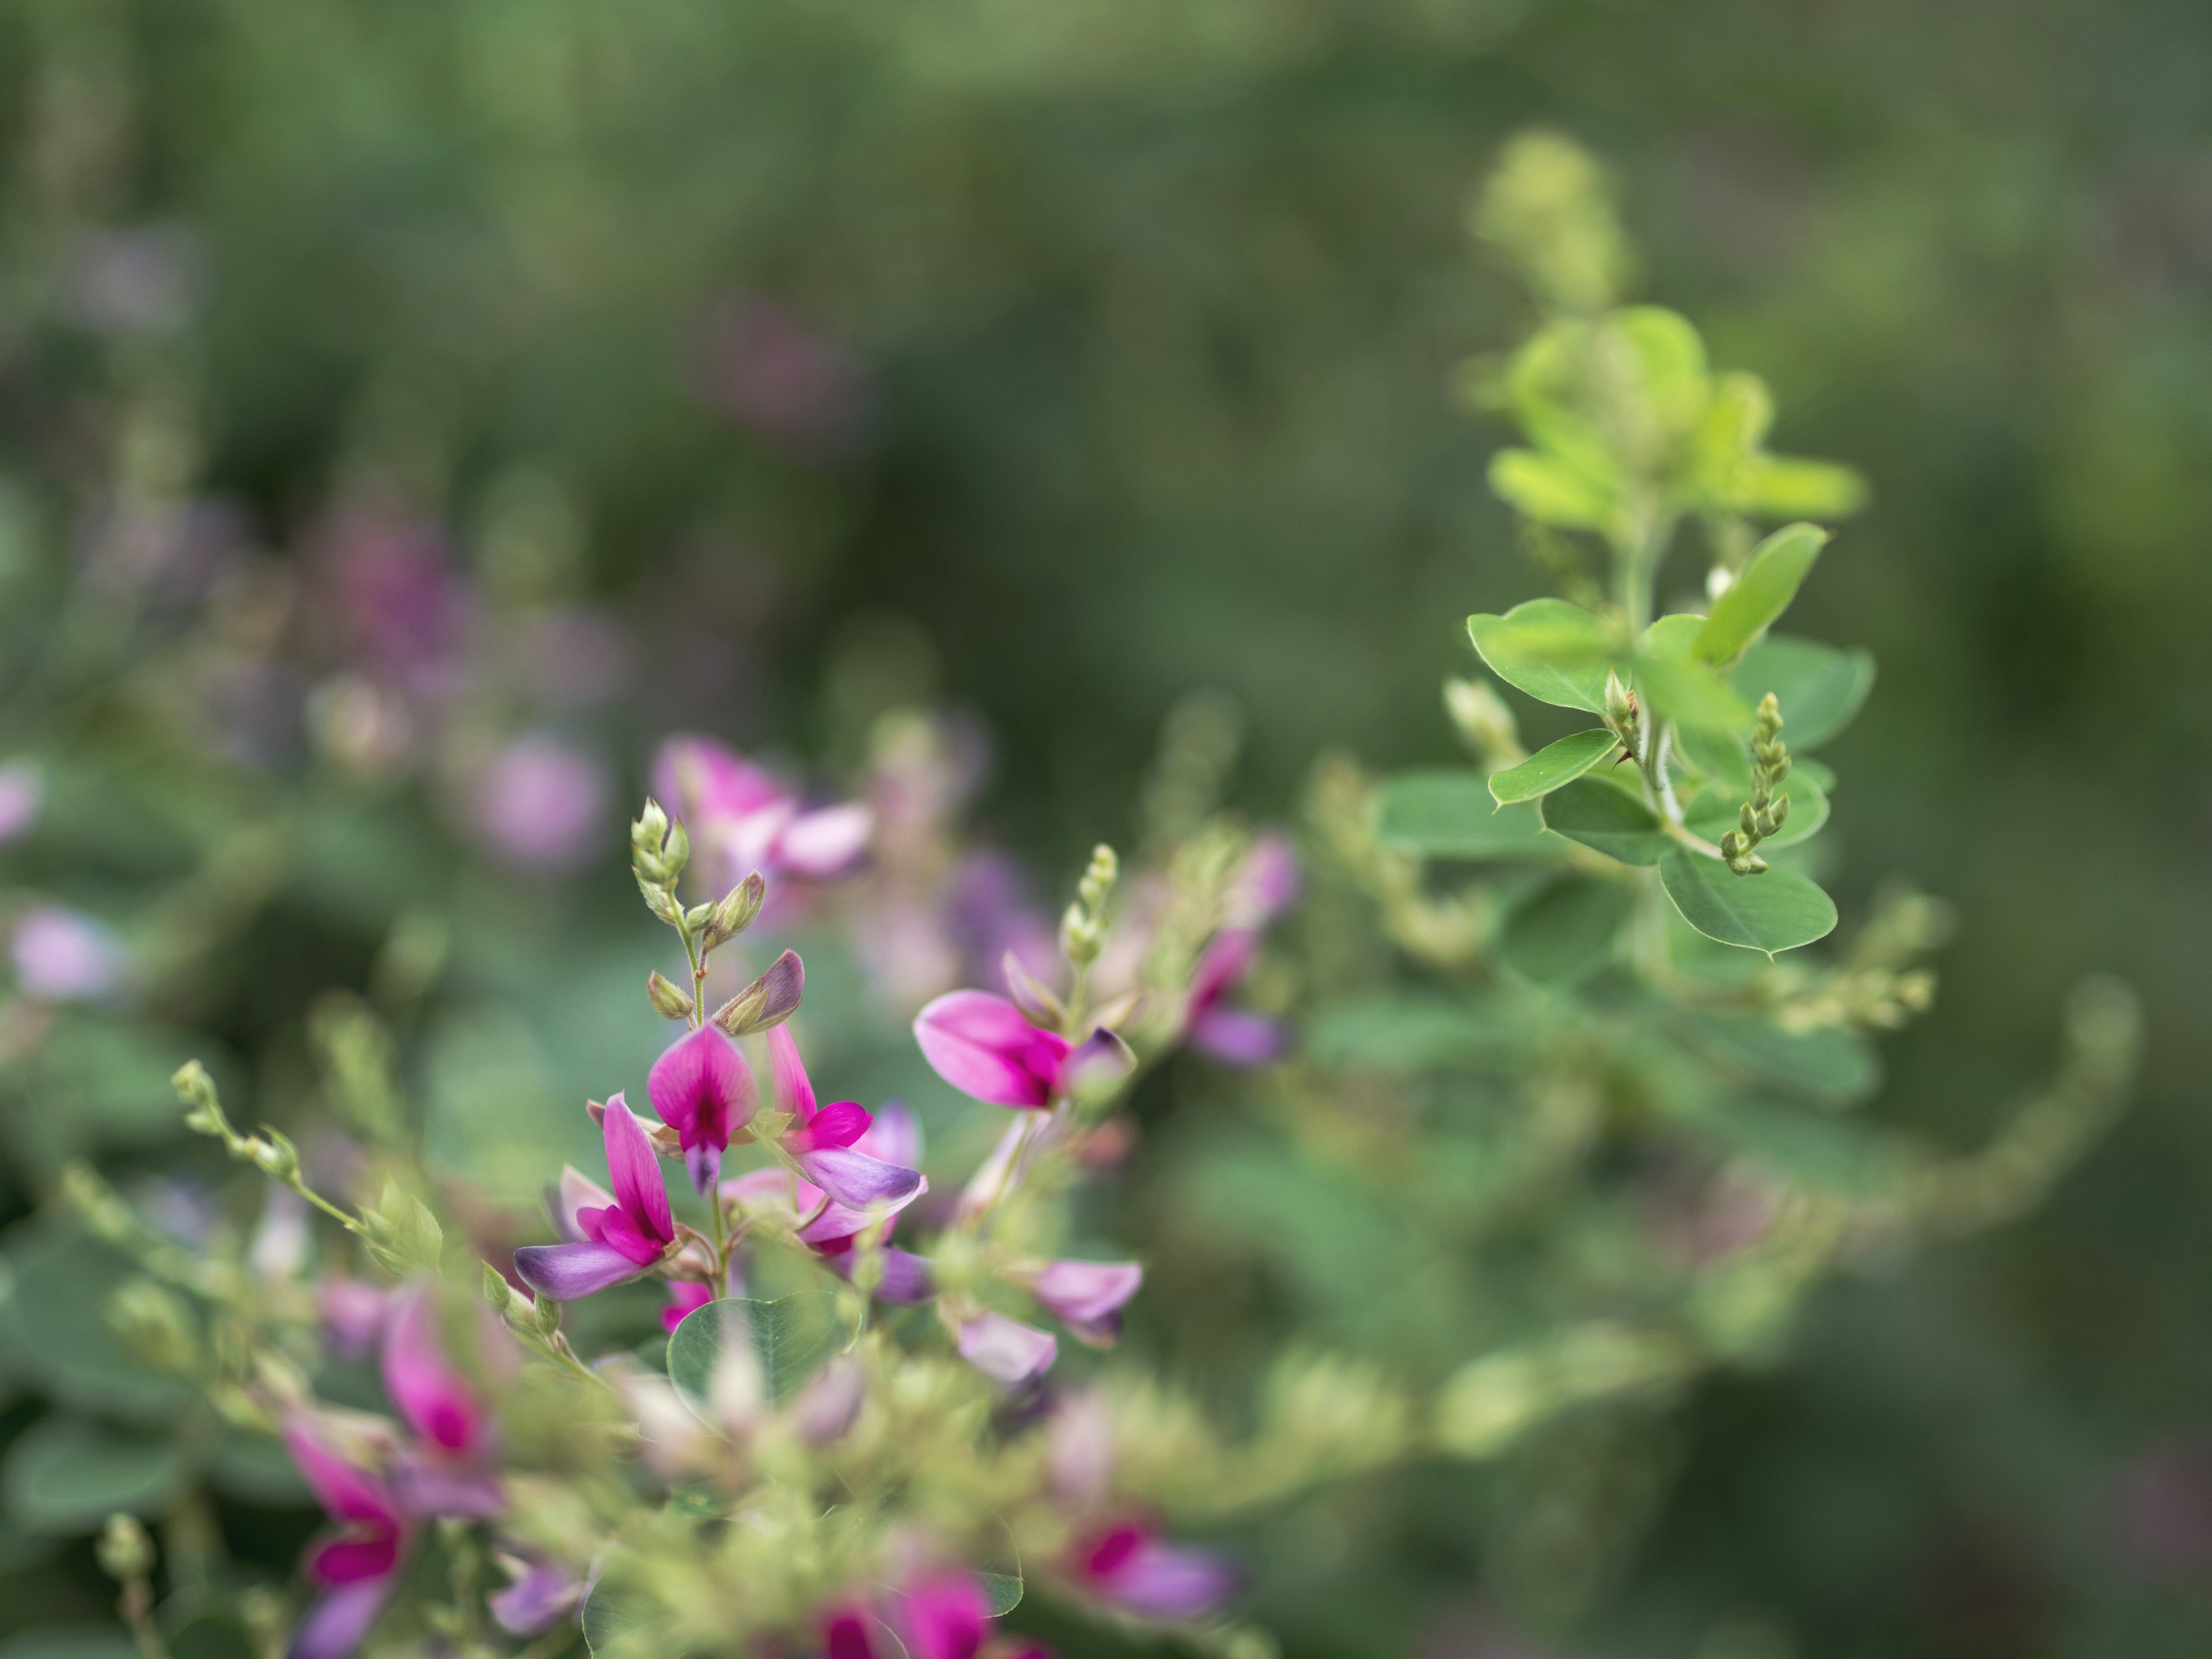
(354, 1557)
(338, 1621)
(1220, 968)
(820, 844)
(536, 1601)
(1005, 1348)
(857, 1180)
(1084, 1293)
(703, 1163)
(1269, 881)
(634, 1171)
(782, 986)
(1035, 999)
(981, 1046)
(893, 1137)
(794, 1092)
(1160, 1581)
(436, 1490)
(685, 1297)
(1103, 1057)
(568, 1273)
(435, 1400)
(702, 1088)
(835, 1222)
(906, 1279)
(1237, 1037)
(353, 1312)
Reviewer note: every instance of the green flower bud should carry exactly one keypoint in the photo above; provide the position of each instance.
(155, 1326)
(668, 1001)
(739, 906)
(125, 1553)
(497, 1292)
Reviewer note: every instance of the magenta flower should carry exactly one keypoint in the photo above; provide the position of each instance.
(1006, 1349)
(1129, 1565)
(437, 1400)
(984, 1046)
(613, 1237)
(1269, 881)
(357, 1569)
(822, 1140)
(398, 596)
(62, 957)
(942, 1617)
(704, 1091)
(353, 1311)
(541, 805)
(1087, 1295)
(685, 1298)
(743, 819)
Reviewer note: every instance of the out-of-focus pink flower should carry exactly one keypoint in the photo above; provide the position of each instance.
(944, 1616)
(1087, 1297)
(541, 804)
(405, 609)
(685, 1298)
(63, 957)
(983, 1046)
(541, 1596)
(353, 1311)
(616, 1240)
(436, 1400)
(1080, 1450)
(741, 818)
(1005, 1349)
(1133, 1567)
(357, 1569)
(22, 793)
(703, 1090)
(1234, 1036)
(788, 384)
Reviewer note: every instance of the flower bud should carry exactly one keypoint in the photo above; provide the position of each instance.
(497, 1292)
(738, 909)
(274, 1155)
(660, 901)
(768, 1000)
(1620, 701)
(125, 1553)
(668, 1001)
(1486, 724)
(155, 1326)
(1098, 880)
(204, 1114)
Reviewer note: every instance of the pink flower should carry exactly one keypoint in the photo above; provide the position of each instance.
(1234, 1037)
(357, 1569)
(822, 1140)
(984, 1046)
(741, 819)
(942, 1617)
(1129, 1565)
(353, 1312)
(398, 596)
(685, 1298)
(1006, 1349)
(541, 805)
(436, 1400)
(62, 957)
(1087, 1295)
(614, 1237)
(703, 1090)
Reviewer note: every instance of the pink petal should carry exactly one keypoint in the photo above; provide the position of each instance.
(568, 1273)
(353, 1312)
(794, 1093)
(635, 1172)
(944, 1618)
(685, 1297)
(702, 1088)
(702, 780)
(1005, 1348)
(1103, 1057)
(840, 1123)
(1267, 882)
(981, 1046)
(576, 1192)
(352, 1560)
(1221, 966)
(424, 1387)
(346, 1491)
(822, 843)
(339, 1621)
(1084, 1293)
(618, 1230)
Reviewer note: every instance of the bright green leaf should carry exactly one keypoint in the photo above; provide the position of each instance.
(1782, 487)
(1819, 687)
(1546, 488)
(1555, 651)
(1550, 766)
(1778, 567)
(1566, 931)
(1777, 911)
(67, 1474)
(1452, 814)
(1608, 818)
(1668, 358)
(1691, 695)
(792, 1337)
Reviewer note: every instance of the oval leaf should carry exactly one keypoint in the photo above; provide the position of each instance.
(1002, 1593)
(1555, 651)
(1450, 815)
(1819, 687)
(1770, 579)
(792, 1337)
(1554, 765)
(67, 1474)
(1780, 910)
(1607, 818)
(1567, 932)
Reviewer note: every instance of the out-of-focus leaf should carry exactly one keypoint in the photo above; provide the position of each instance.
(1554, 765)
(1777, 911)
(1607, 818)
(792, 1337)
(62, 1280)
(1785, 487)
(1452, 814)
(1835, 1067)
(1690, 695)
(1002, 1592)
(70, 1641)
(1555, 651)
(1414, 1030)
(1804, 1147)
(101, 1081)
(1566, 931)
(259, 1469)
(1761, 592)
(67, 1474)
(1819, 688)
(1546, 488)
(1668, 361)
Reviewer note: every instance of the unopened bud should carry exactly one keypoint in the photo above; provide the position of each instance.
(1778, 811)
(1080, 936)
(658, 849)
(651, 829)
(1098, 880)
(274, 1155)
(1770, 715)
(125, 1553)
(155, 1326)
(203, 1110)
(668, 1001)
(1486, 724)
(1620, 701)
(660, 900)
(1747, 821)
(738, 909)
(497, 1292)
(768, 1000)
(545, 1314)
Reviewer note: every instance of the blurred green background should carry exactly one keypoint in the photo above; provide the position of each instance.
(1057, 358)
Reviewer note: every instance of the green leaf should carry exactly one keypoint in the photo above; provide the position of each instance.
(1410, 1032)
(1546, 488)
(1452, 814)
(1712, 811)
(1554, 765)
(1819, 687)
(70, 1641)
(1779, 566)
(1691, 695)
(59, 1327)
(1002, 1592)
(1556, 651)
(1566, 932)
(1606, 817)
(1669, 361)
(1777, 911)
(1832, 1068)
(1785, 487)
(791, 1337)
(67, 1474)
(1724, 757)
(618, 1619)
